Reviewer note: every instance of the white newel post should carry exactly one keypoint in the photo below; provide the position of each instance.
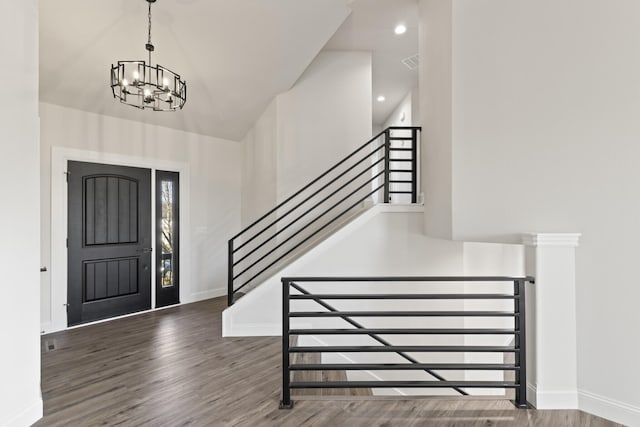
(551, 320)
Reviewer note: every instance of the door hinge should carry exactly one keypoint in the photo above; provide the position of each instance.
(67, 243)
(67, 173)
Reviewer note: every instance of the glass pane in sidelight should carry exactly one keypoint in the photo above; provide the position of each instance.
(167, 233)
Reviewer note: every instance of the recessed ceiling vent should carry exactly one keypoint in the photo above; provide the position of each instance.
(412, 62)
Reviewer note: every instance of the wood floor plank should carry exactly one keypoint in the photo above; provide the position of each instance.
(173, 368)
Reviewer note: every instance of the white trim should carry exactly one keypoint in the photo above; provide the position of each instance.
(45, 327)
(27, 416)
(208, 294)
(560, 399)
(59, 158)
(250, 329)
(611, 409)
(531, 394)
(400, 208)
(551, 239)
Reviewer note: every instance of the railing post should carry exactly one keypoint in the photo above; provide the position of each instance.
(387, 154)
(230, 273)
(521, 343)
(286, 402)
(414, 165)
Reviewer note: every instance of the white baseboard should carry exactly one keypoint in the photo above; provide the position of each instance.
(557, 399)
(541, 399)
(26, 417)
(610, 409)
(208, 294)
(46, 327)
(250, 329)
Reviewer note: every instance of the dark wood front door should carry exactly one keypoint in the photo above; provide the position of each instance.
(109, 246)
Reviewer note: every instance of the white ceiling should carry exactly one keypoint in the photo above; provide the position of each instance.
(235, 55)
(371, 27)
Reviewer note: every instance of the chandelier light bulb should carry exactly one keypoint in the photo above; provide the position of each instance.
(165, 83)
(136, 76)
(125, 83)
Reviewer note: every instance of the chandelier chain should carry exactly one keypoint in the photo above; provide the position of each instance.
(149, 23)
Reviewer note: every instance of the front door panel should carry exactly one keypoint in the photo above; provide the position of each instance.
(109, 249)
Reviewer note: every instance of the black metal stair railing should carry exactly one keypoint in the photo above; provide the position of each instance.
(383, 168)
(514, 295)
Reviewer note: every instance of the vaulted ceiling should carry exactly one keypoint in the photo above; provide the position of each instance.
(235, 55)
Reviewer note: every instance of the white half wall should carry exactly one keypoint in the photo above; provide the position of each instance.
(210, 169)
(20, 397)
(544, 103)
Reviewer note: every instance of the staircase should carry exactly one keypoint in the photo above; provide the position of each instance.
(382, 170)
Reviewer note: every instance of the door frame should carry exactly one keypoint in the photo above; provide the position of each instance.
(59, 158)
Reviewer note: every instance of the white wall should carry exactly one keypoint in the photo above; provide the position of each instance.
(20, 398)
(382, 241)
(545, 106)
(214, 176)
(259, 169)
(435, 83)
(402, 115)
(324, 117)
(321, 119)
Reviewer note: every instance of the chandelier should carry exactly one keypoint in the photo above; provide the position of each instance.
(142, 85)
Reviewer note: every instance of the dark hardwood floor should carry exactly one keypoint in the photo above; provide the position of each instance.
(172, 368)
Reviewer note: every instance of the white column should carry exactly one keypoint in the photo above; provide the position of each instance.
(551, 320)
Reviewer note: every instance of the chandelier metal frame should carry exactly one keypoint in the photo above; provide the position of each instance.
(151, 86)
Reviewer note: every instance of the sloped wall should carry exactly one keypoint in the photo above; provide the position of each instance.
(321, 119)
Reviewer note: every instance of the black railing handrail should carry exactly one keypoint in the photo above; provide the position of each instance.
(529, 279)
(328, 171)
(518, 348)
(288, 199)
(377, 162)
(284, 215)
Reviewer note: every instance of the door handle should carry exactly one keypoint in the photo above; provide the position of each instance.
(145, 250)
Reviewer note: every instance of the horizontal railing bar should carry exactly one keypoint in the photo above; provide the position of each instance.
(309, 237)
(401, 182)
(404, 384)
(403, 314)
(401, 192)
(400, 138)
(403, 348)
(400, 149)
(408, 331)
(374, 336)
(308, 224)
(401, 170)
(400, 160)
(405, 296)
(288, 199)
(336, 178)
(306, 212)
(404, 367)
(407, 279)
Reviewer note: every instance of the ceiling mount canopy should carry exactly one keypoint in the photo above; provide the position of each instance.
(146, 86)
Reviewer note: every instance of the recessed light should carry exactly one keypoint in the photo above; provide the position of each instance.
(381, 98)
(400, 29)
